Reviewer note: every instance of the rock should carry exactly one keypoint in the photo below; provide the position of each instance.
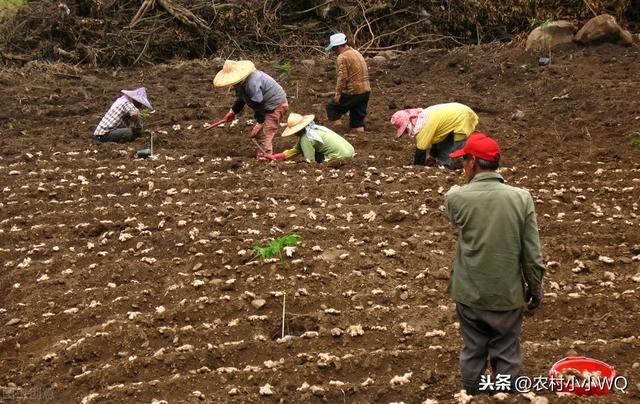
(13, 321)
(603, 28)
(379, 58)
(309, 63)
(389, 54)
(258, 303)
(395, 217)
(554, 33)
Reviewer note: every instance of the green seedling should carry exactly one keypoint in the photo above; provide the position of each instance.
(283, 68)
(144, 114)
(547, 38)
(636, 138)
(275, 249)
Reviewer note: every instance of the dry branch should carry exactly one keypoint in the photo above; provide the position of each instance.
(146, 6)
(125, 32)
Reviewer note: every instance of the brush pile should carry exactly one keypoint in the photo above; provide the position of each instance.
(125, 32)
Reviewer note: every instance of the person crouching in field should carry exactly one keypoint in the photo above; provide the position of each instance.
(262, 93)
(442, 127)
(316, 142)
(498, 264)
(122, 122)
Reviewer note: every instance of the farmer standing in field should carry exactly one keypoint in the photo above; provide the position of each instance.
(352, 84)
(261, 92)
(498, 264)
(122, 122)
(442, 127)
(316, 142)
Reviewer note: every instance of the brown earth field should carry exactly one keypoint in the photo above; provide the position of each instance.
(129, 280)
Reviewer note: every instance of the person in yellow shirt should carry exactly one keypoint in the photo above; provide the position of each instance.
(440, 128)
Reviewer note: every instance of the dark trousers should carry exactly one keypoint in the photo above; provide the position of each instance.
(440, 151)
(355, 105)
(488, 334)
(120, 135)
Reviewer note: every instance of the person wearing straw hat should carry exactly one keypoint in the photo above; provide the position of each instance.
(352, 84)
(441, 128)
(122, 122)
(262, 93)
(497, 267)
(315, 142)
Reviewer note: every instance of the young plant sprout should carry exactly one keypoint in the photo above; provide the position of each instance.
(546, 37)
(275, 248)
(283, 68)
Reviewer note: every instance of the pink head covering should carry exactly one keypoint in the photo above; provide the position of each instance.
(140, 95)
(402, 118)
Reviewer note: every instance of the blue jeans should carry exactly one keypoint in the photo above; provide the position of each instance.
(440, 151)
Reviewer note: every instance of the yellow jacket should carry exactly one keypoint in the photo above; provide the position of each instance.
(443, 119)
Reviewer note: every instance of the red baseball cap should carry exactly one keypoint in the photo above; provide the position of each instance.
(480, 146)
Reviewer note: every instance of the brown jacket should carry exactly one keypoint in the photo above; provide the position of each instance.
(353, 75)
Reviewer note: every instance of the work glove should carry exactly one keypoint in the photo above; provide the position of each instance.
(229, 116)
(256, 130)
(534, 299)
(277, 156)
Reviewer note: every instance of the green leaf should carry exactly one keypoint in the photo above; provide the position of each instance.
(276, 246)
(284, 68)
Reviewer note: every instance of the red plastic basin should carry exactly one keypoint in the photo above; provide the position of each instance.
(599, 387)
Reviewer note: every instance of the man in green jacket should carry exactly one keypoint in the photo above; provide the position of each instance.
(498, 265)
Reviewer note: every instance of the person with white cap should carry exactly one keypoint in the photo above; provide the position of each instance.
(441, 128)
(315, 142)
(122, 122)
(352, 84)
(262, 93)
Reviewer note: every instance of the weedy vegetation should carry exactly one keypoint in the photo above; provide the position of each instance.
(276, 249)
(283, 69)
(546, 38)
(636, 138)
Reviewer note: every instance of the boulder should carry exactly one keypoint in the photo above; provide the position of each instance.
(603, 28)
(389, 54)
(555, 32)
(308, 63)
(379, 58)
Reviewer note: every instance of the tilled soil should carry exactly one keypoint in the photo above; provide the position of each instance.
(131, 280)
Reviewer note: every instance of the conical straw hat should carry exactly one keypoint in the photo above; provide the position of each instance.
(233, 72)
(296, 123)
(140, 95)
